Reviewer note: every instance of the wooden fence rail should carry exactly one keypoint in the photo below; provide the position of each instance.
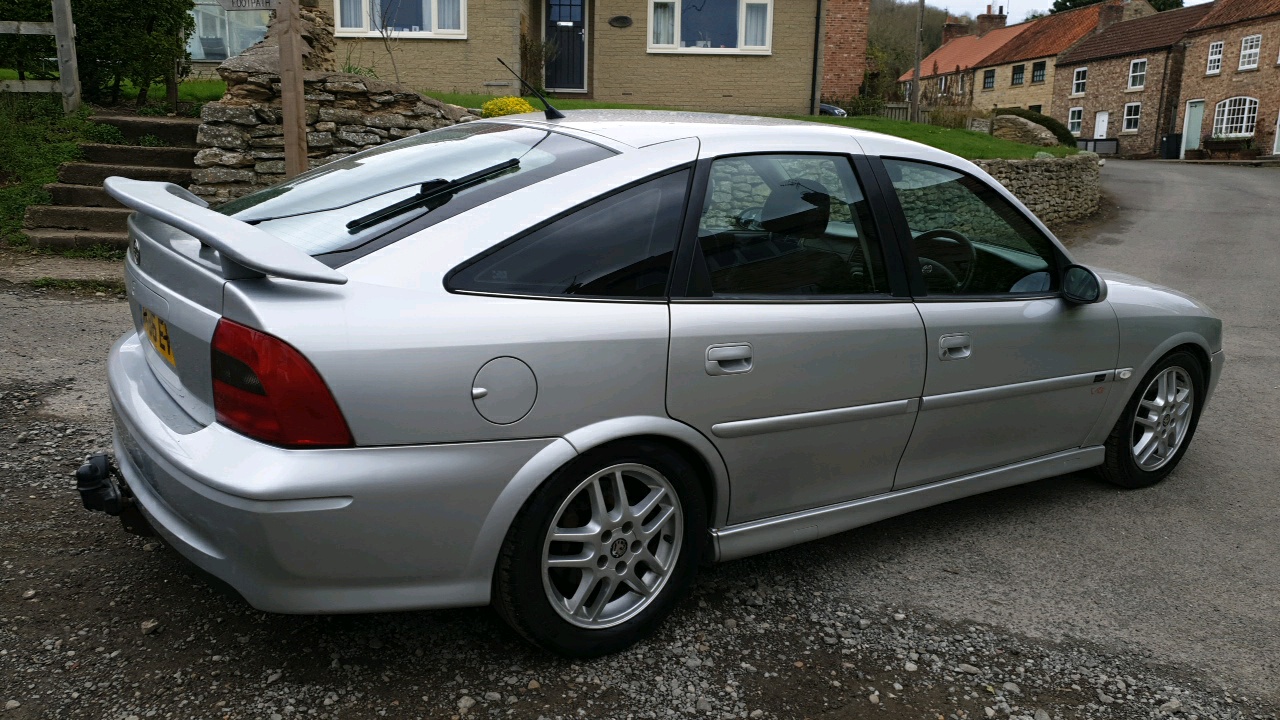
(64, 32)
(902, 111)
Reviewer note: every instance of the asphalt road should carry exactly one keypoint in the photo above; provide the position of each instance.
(1064, 585)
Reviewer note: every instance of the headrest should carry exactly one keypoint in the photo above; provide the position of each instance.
(798, 208)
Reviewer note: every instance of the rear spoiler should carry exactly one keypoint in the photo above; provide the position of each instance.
(236, 241)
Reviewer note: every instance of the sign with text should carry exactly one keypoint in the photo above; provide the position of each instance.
(233, 5)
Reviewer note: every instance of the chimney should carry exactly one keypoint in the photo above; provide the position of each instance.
(988, 21)
(1109, 14)
(954, 28)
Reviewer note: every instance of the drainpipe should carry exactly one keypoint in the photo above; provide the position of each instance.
(815, 96)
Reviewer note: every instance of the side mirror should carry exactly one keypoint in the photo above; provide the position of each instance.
(1083, 286)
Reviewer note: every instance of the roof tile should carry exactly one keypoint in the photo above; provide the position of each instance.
(1047, 36)
(1228, 12)
(964, 52)
(1151, 32)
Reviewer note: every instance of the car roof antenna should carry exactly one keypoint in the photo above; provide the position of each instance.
(551, 113)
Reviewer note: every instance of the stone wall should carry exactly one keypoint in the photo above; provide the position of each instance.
(1057, 190)
(242, 135)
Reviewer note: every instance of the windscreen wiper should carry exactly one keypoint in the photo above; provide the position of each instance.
(431, 190)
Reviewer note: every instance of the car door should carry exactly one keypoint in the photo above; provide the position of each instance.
(1014, 371)
(794, 347)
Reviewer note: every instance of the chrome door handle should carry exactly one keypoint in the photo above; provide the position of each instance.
(956, 346)
(733, 359)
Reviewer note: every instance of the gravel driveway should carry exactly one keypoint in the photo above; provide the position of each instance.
(1060, 599)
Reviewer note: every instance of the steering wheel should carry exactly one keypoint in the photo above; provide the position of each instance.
(944, 253)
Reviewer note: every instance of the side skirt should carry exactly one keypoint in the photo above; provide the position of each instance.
(757, 536)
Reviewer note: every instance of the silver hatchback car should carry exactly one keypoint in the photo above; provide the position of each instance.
(554, 365)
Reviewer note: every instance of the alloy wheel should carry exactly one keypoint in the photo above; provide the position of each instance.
(1162, 419)
(612, 546)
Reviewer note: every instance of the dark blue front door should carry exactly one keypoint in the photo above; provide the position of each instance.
(567, 28)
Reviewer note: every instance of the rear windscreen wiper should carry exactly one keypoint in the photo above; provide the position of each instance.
(431, 190)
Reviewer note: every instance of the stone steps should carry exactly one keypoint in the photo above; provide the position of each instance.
(80, 196)
(97, 219)
(82, 214)
(175, 132)
(78, 173)
(129, 155)
(51, 239)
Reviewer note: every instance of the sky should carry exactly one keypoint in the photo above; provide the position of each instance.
(1016, 9)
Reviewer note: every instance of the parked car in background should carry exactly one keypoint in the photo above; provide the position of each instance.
(554, 365)
(835, 110)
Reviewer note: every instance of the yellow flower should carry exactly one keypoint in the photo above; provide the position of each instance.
(498, 107)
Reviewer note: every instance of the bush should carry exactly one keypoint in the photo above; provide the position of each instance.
(35, 137)
(1058, 129)
(954, 118)
(498, 107)
(116, 41)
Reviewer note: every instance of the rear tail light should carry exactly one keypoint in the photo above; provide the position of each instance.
(264, 388)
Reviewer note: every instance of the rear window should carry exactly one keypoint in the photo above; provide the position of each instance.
(349, 203)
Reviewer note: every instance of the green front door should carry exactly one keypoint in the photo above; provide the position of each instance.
(1195, 123)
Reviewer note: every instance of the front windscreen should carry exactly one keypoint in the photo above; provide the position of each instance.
(350, 202)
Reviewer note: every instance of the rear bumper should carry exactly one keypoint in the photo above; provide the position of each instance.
(314, 531)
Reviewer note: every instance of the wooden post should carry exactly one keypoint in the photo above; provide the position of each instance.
(64, 32)
(292, 99)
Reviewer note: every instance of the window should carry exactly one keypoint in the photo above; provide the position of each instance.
(1079, 80)
(711, 26)
(942, 85)
(618, 247)
(319, 211)
(1075, 119)
(968, 239)
(411, 18)
(988, 79)
(1037, 72)
(1132, 114)
(788, 225)
(1035, 108)
(1019, 74)
(1235, 117)
(220, 34)
(1137, 74)
(1215, 59)
(1250, 48)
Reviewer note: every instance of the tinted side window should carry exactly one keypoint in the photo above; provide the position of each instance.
(968, 239)
(787, 225)
(619, 247)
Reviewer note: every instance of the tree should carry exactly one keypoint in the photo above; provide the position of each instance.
(891, 37)
(119, 40)
(1159, 5)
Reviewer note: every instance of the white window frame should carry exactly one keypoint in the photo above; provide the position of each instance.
(1255, 52)
(1132, 63)
(1136, 117)
(1249, 117)
(742, 49)
(1075, 120)
(1214, 64)
(1078, 84)
(367, 28)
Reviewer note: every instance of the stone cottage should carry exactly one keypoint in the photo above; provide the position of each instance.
(1231, 76)
(1123, 83)
(947, 73)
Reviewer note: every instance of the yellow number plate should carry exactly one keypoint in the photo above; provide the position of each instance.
(158, 333)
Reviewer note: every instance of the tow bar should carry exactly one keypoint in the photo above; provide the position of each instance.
(103, 489)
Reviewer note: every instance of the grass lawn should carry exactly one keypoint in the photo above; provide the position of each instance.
(966, 144)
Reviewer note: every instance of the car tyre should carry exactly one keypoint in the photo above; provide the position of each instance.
(1158, 422)
(584, 574)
